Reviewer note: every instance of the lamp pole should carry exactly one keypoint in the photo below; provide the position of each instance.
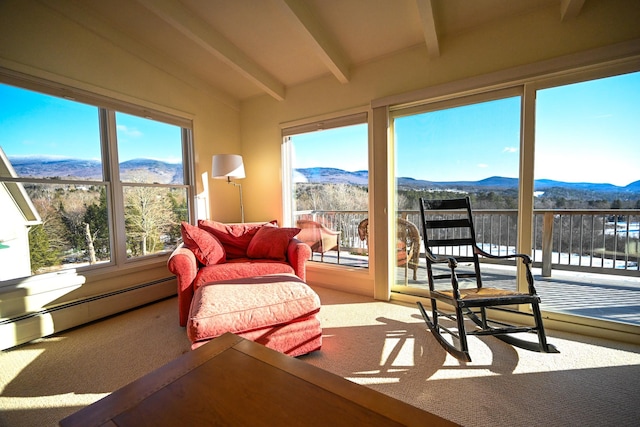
(229, 166)
(237, 184)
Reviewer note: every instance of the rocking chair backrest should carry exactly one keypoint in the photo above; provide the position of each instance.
(447, 230)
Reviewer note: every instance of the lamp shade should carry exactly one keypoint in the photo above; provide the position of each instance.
(226, 166)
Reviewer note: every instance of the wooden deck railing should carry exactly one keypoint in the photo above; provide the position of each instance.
(601, 241)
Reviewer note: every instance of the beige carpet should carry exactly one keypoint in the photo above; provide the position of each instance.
(383, 346)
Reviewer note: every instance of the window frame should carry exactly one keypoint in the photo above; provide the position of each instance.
(356, 116)
(516, 91)
(107, 107)
(588, 66)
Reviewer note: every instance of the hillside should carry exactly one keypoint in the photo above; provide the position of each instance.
(169, 173)
(147, 170)
(544, 187)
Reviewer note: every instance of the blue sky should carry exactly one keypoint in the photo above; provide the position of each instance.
(341, 148)
(585, 132)
(143, 138)
(590, 132)
(35, 124)
(466, 143)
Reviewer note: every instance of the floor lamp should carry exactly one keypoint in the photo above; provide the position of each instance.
(227, 166)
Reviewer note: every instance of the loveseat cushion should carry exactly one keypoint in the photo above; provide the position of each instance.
(234, 237)
(271, 243)
(239, 268)
(204, 245)
(243, 305)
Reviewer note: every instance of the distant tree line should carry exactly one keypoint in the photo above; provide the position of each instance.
(345, 197)
(75, 223)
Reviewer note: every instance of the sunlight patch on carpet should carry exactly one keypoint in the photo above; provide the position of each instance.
(55, 401)
(398, 352)
(373, 380)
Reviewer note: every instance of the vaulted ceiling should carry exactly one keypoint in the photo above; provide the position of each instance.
(245, 48)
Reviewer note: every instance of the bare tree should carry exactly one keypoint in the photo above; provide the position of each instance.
(90, 248)
(148, 216)
(331, 197)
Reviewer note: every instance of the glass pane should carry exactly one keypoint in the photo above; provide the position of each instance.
(152, 218)
(49, 227)
(48, 137)
(587, 174)
(331, 192)
(451, 153)
(149, 151)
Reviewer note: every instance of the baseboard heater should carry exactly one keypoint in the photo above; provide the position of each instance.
(41, 323)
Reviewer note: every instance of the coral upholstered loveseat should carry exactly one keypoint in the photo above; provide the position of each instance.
(213, 252)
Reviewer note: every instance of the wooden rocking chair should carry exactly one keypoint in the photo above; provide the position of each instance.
(451, 227)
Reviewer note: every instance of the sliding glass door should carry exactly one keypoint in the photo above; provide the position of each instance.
(587, 199)
(464, 147)
(552, 170)
(327, 187)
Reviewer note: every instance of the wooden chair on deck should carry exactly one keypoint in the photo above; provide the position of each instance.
(319, 237)
(451, 230)
(407, 245)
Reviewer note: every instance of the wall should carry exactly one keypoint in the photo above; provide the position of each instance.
(527, 39)
(39, 41)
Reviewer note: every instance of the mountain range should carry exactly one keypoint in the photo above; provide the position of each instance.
(322, 175)
(171, 173)
(150, 170)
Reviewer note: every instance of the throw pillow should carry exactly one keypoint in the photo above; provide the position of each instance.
(234, 237)
(205, 246)
(271, 243)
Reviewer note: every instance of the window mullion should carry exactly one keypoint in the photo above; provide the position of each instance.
(189, 176)
(112, 175)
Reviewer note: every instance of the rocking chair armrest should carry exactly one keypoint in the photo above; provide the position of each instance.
(439, 259)
(526, 259)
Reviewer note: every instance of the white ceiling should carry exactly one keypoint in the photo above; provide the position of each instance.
(244, 48)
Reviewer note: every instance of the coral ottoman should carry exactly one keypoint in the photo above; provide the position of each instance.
(276, 310)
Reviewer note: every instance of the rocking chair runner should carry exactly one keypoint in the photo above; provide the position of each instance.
(452, 228)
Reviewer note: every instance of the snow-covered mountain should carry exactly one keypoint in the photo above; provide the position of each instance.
(130, 170)
(332, 175)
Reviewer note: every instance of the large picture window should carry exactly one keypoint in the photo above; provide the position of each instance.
(469, 146)
(328, 191)
(587, 175)
(85, 186)
(552, 164)
(151, 173)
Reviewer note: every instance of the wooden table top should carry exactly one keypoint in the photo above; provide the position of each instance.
(233, 381)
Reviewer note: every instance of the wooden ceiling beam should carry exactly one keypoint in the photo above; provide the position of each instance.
(427, 18)
(172, 12)
(569, 9)
(329, 52)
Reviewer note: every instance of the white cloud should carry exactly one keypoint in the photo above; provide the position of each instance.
(134, 133)
(510, 150)
(483, 165)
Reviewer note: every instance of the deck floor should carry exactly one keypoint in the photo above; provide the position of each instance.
(599, 296)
